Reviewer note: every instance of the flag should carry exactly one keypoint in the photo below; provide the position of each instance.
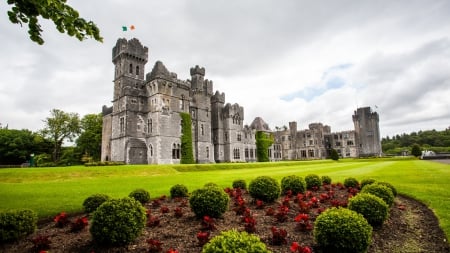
(125, 28)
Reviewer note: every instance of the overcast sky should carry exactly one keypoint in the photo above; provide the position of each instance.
(304, 61)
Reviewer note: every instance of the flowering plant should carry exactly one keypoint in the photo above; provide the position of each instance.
(79, 224)
(41, 242)
(295, 247)
(154, 245)
(208, 223)
(282, 213)
(203, 237)
(278, 236)
(303, 223)
(61, 220)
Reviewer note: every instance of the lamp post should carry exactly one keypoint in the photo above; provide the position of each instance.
(32, 160)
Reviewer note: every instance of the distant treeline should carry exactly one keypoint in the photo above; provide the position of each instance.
(437, 141)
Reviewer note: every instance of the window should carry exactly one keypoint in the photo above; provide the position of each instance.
(311, 142)
(225, 136)
(137, 70)
(251, 153)
(122, 125)
(239, 137)
(269, 153)
(311, 152)
(338, 143)
(149, 126)
(207, 152)
(236, 153)
(202, 129)
(176, 151)
(246, 152)
(350, 143)
(131, 68)
(150, 147)
(303, 153)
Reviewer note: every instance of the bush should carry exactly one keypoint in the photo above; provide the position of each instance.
(264, 188)
(92, 202)
(178, 191)
(118, 221)
(381, 191)
(239, 183)
(294, 183)
(351, 182)
(210, 201)
(233, 241)
(373, 208)
(141, 195)
(326, 180)
(211, 184)
(342, 230)
(17, 224)
(312, 180)
(367, 181)
(394, 191)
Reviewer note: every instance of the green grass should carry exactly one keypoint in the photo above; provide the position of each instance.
(52, 190)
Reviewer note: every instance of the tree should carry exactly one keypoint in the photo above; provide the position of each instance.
(90, 140)
(415, 150)
(60, 126)
(334, 154)
(66, 19)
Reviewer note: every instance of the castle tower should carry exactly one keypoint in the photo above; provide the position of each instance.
(367, 132)
(129, 58)
(217, 104)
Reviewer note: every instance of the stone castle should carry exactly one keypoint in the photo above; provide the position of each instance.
(143, 126)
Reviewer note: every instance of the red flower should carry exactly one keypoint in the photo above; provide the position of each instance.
(295, 247)
(172, 251)
(302, 217)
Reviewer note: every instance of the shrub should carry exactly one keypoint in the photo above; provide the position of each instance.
(239, 183)
(326, 180)
(211, 184)
(381, 191)
(367, 181)
(118, 221)
(394, 191)
(312, 181)
(373, 208)
(342, 230)
(351, 182)
(16, 224)
(294, 183)
(234, 241)
(264, 188)
(92, 202)
(210, 201)
(178, 191)
(141, 195)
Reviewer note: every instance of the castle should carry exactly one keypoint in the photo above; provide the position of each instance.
(143, 126)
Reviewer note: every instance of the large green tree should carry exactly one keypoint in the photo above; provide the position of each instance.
(90, 140)
(60, 126)
(16, 146)
(66, 18)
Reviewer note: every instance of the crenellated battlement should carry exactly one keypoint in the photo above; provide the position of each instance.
(132, 48)
(197, 71)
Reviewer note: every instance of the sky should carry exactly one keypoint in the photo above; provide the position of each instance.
(283, 61)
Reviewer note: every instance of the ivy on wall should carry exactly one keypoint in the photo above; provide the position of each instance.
(263, 141)
(187, 155)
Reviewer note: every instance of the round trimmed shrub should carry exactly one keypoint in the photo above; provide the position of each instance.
(367, 181)
(141, 195)
(92, 202)
(264, 188)
(118, 221)
(326, 180)
(394, 191)
(373, 208)
(312, 180)
(178, 191)
(239, 183)
(17, 224)
(211, 184)
(351, 182)
(342, 230)
(294, 183)
(210, 201)
(381, 191)
(233, 241)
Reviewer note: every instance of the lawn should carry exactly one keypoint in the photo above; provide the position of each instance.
(52, 190)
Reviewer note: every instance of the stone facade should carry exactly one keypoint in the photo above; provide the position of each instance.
(143, 126)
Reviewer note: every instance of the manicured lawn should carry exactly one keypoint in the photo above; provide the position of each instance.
(52, 190)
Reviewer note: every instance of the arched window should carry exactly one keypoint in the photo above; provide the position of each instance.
(149, 126)
(131, 68)
(150, 147)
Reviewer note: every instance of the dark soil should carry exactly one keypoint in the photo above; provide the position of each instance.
(411, 227)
